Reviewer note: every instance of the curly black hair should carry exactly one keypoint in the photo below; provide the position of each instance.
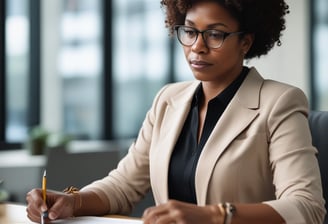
(262, 18)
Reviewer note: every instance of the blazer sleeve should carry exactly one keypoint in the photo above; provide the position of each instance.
(296, 174)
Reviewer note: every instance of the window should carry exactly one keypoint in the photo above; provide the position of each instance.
(17, 34)
(140, 61)
(320, 54)
(139, 56)
(89, 68)
(80, 67)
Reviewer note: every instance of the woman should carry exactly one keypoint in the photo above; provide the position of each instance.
(229, 147)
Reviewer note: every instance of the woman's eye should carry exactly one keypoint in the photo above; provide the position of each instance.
(189, 32)
(214, 34)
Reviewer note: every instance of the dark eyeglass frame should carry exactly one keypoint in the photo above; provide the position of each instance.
(203, 32)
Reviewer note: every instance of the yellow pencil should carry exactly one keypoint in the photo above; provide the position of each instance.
(44, 195)
(44, 186)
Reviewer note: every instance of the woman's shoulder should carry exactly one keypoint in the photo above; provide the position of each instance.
(257, 91)
(273, 86)
(278, 89)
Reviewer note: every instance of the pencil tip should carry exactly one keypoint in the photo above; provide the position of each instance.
(45, 173)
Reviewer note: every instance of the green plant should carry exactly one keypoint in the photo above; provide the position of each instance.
(37, 140)
(41, 139)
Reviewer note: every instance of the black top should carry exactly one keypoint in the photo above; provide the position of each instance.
(181, 176)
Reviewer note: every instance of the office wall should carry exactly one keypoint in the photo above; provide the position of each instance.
(290, 62)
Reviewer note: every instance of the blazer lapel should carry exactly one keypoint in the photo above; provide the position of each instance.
(175, 115)
(238, 115)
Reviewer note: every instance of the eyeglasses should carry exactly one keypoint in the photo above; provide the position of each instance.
(187, 36)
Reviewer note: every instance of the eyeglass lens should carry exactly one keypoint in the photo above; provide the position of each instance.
(188, 36)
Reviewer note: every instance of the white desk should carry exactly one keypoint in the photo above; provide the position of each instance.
(16, 214)
(13, 214)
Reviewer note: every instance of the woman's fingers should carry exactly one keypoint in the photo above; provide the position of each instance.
(58, 205)
(62, 206)
(35, 205)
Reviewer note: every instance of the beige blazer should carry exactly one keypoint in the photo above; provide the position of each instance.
(259, 151)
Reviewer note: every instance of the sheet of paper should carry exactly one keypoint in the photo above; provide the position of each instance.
(97, 220)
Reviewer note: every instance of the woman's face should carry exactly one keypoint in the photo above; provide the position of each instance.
(221, 65)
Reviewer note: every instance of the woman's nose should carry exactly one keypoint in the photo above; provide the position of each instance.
(200, 45)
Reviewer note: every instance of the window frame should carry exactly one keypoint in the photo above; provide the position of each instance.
(2, 74)
(35, 63)
(34, 98)
(312, 76)
(3, 143)
(107, 113)
(33, 111)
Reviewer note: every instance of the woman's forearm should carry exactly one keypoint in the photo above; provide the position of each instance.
(89, 203)
(256, 214)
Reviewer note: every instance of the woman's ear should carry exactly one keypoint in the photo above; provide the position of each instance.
(247, 42)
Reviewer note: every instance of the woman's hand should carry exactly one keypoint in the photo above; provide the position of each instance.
(181, 212)
(58, 205)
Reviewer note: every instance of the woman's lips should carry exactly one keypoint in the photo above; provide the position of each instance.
(198, 64)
